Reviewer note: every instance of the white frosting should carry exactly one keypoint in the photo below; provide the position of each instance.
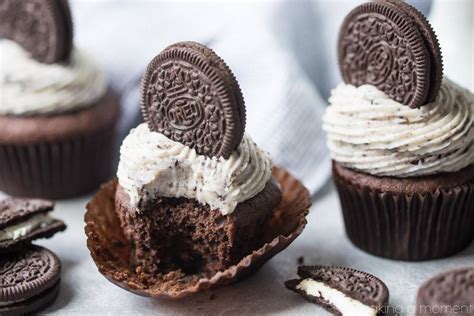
(24, 228)
(346, 305)
(153, 165)
(30, 87)
(369, 132)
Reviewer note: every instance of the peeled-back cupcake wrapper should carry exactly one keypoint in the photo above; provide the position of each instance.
(109, 247)
(61, 169)
(411, 227)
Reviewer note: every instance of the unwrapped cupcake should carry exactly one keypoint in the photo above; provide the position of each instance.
(57, 114)
(401, 138)
(198, 203)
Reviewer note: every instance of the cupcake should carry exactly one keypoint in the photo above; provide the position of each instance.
(57, 114)
(194, 191)
(401, 138)
(199, 204)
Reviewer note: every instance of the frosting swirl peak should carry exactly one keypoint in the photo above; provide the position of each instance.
(29, 87)
(369, 132)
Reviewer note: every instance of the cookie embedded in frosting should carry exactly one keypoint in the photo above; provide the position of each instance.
(342, 291)
(391, 45)
(190, 95)
(42, 27)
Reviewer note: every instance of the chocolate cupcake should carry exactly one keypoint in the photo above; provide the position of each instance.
(57, 114)
(184, 206)
(404, 168)
(199, 203)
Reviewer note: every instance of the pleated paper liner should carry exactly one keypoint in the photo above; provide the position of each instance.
(407, 226)
(109, 248)
(71, 156)
(56, 170)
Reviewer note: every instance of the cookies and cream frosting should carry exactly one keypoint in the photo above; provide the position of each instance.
(28, 87)
(369, 132)
(152, 165)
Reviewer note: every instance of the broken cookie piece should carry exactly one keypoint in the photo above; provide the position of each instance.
(341, 291)
(24, 220)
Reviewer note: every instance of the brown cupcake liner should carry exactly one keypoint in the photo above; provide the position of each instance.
(109, 247)
(408, 226)
(60, 169)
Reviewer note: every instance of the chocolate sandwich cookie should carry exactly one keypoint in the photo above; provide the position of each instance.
(29, 281)
(191, 96)
(341, 291)
(42, 27)
(449, 293)
(390, 45)
(431, 43)
(219, 63)
(24, 220)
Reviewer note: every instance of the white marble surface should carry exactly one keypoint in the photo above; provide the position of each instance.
(85, 291)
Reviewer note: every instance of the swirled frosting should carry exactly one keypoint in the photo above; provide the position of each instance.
(153, 165)
(369, 132)
(29, 87)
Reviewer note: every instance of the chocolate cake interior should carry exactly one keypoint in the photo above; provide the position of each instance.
(171, 234)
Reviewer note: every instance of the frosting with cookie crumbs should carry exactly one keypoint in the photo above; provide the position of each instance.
(29, 87)
(369, 132)
(152, 165)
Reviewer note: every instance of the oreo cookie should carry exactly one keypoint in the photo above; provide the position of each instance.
(341, 291)
(29, 281)
(43, 27)
(449, 293)
(191, 96)
(24, 220)
(391, 45)
(431, 43)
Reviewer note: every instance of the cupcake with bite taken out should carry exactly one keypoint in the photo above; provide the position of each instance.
(194, 190)
(197, 204)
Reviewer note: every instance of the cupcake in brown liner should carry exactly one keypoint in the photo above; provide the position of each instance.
(409, 219)
(57, 118)
(196, 200)
(403, 163)
(111, 250)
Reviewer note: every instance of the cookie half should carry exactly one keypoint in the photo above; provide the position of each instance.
(448, 293)
(43, 27)
(341, 291)
(390, 45)
(191, 96)
(29, 281)
(24, 220)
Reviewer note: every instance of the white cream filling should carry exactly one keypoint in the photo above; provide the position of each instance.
(10, 302)
(152, 165)
(346, 305)
(24, 228)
